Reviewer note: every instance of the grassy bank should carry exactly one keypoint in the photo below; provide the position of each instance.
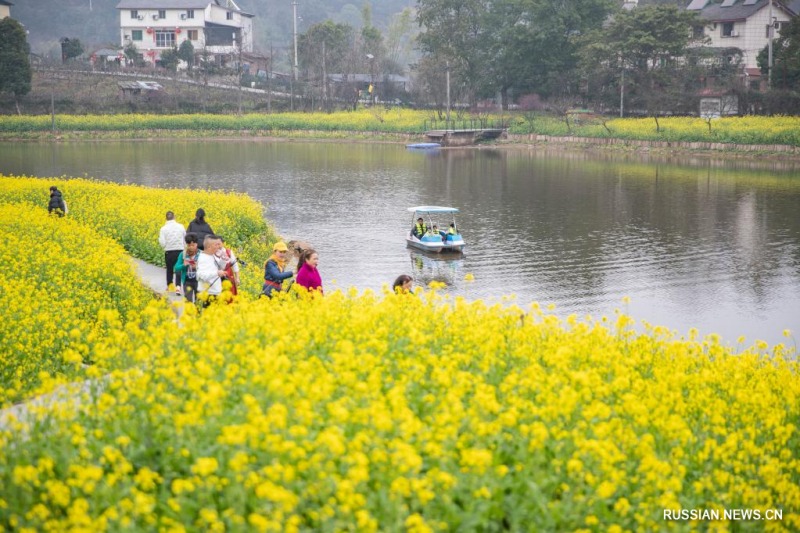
(398, 124)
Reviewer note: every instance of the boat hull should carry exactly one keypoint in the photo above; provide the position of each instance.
(426, 246)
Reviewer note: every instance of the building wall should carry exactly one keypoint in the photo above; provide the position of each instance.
(182, 26)
(751, 34)
(5, 11)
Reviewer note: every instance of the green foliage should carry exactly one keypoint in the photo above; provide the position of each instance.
(785, 57)
(133, 55)
(648, 45)
(170, 59)
(186, 53)
(14, 59)
(70, 48)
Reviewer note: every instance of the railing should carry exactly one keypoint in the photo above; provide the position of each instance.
(465, 124)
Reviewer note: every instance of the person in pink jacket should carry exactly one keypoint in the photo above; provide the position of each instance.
(307, 273)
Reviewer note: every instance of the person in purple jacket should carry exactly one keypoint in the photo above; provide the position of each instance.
(307, 273)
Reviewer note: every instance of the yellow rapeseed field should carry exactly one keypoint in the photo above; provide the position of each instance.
(410, 412)
(60, 279)
(132, 215)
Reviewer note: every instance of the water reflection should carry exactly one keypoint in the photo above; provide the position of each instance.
(695, 242)
(444, 268)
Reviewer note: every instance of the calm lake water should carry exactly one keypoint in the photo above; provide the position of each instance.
(694, 242)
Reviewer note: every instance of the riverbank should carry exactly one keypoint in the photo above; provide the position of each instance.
(531, 140)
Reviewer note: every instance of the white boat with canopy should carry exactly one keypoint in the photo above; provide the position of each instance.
(429, 235)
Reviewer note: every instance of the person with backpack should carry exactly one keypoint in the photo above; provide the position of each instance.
(57, 203)
(275, 270)
(200, 227)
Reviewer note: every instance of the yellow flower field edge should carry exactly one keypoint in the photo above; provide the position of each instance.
(132, 215)
(345, 124)
(61, 283)
(732, 130)
(382, 412)
(377, 119)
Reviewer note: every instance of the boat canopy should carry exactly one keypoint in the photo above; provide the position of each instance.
(432, 209)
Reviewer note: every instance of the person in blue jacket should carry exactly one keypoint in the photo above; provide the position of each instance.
(275, 269)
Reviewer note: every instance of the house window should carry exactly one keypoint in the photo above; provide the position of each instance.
(698, 32)
(727, 29)
(134, 14)
(136, 35)
(230, 15)
(162, 13)
(190, 13)
(165, 39)
(192, 35)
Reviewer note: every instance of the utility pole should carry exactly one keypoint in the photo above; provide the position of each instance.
(294, 20)
(239, 68)
(269, 80)
(769, 56)
(447, 79)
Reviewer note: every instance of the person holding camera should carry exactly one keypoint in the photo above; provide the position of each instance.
(275, 270)
(231, 268)
(186, 267)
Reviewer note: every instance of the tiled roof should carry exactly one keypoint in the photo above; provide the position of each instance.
(163, 4)
(794, 6)
(738, 11)
(171, 4)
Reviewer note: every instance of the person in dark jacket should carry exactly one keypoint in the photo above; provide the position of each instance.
(200, 227)
(57, 202)
(275, 269)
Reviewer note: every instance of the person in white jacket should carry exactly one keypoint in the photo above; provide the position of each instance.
(210, 270)
(171, 240)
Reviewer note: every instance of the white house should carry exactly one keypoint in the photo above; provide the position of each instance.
(218, 27)
(743, 24)
(5, 9)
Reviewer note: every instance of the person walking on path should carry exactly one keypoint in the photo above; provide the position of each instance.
(275, 269)
(171, 238)
(56, 202)
(307, 273)
(186, 266)
(200, 227)
(210, 270)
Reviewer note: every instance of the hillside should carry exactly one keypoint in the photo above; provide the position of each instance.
(96, 22)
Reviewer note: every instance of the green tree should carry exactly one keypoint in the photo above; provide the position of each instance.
(322, 50)
(535, 45)
(455, 31)
(186, 53)
(70, 48)
(785, 57)
(645, 51)
(505, 46)
(14, 60)
(170, 58)
(133, 55)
